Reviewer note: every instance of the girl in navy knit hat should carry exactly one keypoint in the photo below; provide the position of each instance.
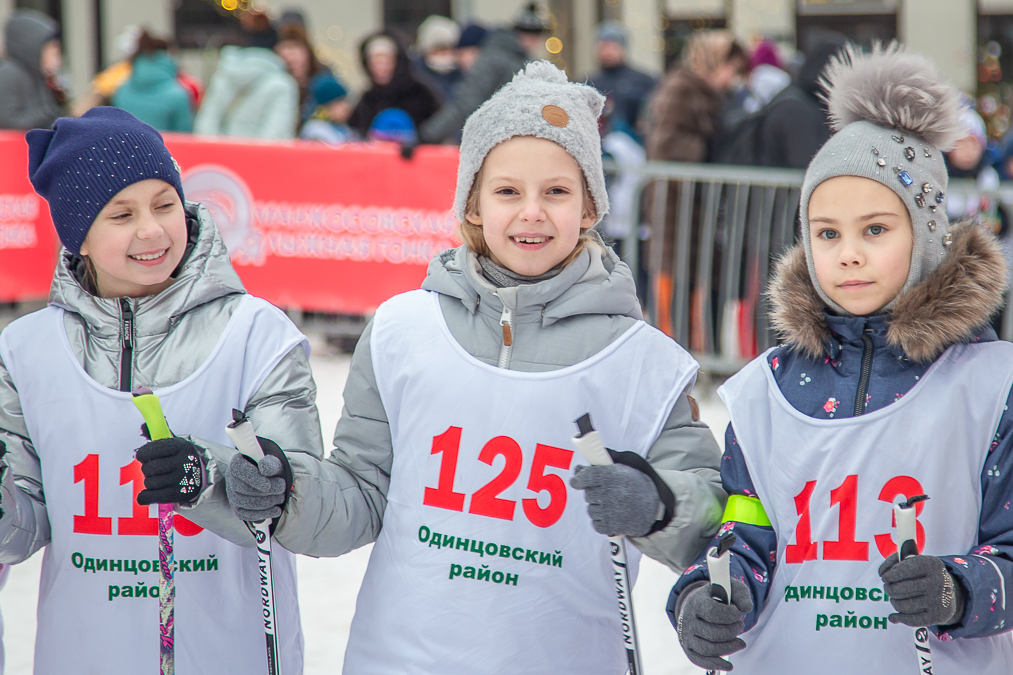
(144, 295)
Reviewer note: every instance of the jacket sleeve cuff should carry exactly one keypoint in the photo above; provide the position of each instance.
(216, 459)
(691, 527)
(986, 607)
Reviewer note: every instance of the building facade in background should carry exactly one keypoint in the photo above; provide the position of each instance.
(970, 40)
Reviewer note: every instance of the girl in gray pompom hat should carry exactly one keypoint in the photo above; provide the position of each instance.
(891, 385)
(455, 449)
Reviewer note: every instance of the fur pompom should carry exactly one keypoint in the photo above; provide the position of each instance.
(893, 88)
(542, 70)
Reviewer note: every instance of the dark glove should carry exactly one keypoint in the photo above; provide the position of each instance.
(173, 472)
(922, 590)
(709, 629)
(620, 499)
(259, 491)
(408, 150)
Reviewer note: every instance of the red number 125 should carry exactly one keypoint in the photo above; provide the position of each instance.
(486, 500)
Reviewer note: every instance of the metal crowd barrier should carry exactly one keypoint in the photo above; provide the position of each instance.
(731, 224)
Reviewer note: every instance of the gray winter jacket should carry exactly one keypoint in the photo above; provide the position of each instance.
(338, 505)
(174, 333)
(502, 56)
(26, 101)
(250, 95)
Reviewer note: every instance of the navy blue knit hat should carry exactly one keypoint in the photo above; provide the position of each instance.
(82, 162)
(471, 36)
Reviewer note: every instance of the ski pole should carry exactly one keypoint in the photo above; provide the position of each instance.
(589, 443)
(158, 428)
(718, 569)
(907, 546)
(240, 430)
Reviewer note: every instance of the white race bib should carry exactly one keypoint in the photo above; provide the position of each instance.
(829, 485)
(98, 604)
(487, 561)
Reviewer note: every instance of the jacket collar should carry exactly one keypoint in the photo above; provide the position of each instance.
(596, 282)
(205, 274)
(951, 306)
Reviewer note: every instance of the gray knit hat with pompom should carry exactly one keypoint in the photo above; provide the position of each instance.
(539, 102)
(894, 118)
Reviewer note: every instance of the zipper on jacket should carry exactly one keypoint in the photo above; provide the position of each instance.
(506, 321)
(127, 342)
(863, 382)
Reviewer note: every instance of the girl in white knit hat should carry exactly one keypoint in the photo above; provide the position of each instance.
(455, 452)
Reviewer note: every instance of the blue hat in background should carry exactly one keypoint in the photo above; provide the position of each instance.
(471, 36)
(613, 31)
(393, 124)
(326, 88)
(82, 162)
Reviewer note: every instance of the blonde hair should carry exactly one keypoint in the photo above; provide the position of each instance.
(707, 50)
(472, 235)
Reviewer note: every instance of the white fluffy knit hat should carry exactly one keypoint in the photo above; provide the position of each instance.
(539, 102)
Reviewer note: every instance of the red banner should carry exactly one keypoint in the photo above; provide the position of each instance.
(318, 228)
(28, 242)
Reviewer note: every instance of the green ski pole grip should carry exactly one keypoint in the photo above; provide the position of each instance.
(151, 410)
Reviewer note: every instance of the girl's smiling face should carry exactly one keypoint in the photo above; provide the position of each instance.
(861, 239)
(137, 240)
(531, 205)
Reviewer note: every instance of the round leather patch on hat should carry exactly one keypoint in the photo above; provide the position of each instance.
(555, 116)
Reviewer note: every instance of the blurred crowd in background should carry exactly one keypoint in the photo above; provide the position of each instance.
(721, 101)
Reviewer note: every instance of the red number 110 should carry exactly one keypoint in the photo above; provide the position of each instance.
(845, 497)
(486, 500)
(140, 522)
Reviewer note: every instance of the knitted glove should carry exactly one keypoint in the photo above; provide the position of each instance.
(922, 590)
(173, 472)
(709, 629)
(620, 499)
(259, 491)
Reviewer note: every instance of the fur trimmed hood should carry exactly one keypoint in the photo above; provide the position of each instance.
(945, 309)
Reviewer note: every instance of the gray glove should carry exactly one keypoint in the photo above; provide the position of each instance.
(709, 629)
(922, 590)
(620, 499)
(256, 491)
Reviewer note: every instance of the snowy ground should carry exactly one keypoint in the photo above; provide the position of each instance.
(328, 586)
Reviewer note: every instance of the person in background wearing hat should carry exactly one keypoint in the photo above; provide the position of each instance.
(975, 158)
(144, 295)
(252, 93)
(890, 386)
(393, 125)
(330, 122)
(386, 62)
(469, 46)
(29, 94)
(434, 62)
(504, 52)
(528, 325)
(626, 88)
(151, 93)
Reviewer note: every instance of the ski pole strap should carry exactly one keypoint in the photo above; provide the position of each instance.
(665, 493)
(747, 510)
